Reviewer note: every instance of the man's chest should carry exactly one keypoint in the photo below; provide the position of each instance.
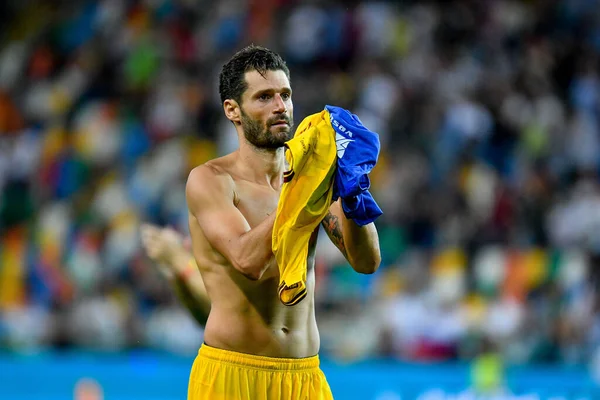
(256, 203)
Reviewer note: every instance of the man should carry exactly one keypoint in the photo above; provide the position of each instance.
(167, 248)
(254, 346)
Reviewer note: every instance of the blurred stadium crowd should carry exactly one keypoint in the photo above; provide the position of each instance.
(488, 112)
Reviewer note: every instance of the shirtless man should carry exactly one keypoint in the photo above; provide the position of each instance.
(254, 346)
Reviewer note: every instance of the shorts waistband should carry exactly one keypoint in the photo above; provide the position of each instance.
(262, 362)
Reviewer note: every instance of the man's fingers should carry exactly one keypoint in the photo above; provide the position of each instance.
(149, 230)
(148, 238)
(147, 225)
(153, 252)
(158, 242)
(171, 235)
(170, 230)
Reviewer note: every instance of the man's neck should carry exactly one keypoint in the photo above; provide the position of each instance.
(263, 166)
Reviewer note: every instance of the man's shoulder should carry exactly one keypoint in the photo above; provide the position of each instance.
(207, 172)
(210, 178)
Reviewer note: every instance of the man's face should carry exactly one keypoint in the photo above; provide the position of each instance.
(267, 110)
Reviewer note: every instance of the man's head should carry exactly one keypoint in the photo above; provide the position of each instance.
(255, 90)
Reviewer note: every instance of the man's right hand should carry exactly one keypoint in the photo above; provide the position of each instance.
(164, 246)
(171, 252)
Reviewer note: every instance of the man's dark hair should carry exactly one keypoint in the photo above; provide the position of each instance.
(232, 82)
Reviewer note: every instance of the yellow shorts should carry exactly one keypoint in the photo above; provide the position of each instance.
(226, 375)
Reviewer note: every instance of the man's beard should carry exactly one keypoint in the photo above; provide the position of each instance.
(260, 136)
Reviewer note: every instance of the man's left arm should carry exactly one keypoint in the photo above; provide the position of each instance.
(359, 244)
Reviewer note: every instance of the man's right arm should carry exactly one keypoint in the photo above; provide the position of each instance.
(210, 198)
(165, 247)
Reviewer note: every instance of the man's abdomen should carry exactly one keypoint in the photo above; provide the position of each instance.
(287, 333)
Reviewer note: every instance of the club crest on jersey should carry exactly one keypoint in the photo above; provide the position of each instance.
(341, 142)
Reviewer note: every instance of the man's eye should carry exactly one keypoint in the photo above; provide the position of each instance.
(285, 96)
(264, 97)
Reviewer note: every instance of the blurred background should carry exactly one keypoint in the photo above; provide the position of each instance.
(489, 117)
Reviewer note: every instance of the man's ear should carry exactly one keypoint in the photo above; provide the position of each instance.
(232, 110)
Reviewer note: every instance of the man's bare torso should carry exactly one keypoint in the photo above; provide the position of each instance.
(247, 316)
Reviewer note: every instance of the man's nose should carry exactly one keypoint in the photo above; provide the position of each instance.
(279, 105)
